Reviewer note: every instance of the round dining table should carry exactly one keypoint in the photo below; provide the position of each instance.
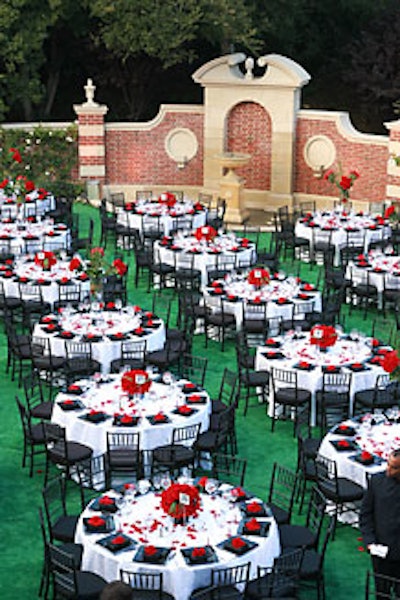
(104, 327)
(361, 446)
(133, 214)
(90, 408)
(354, 353)
(383, 270)
(231, 527)
(341, 222)
(33, 234)
(24, 269)
(174, 250)
(280, 294)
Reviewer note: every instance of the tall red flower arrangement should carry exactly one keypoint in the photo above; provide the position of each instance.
(343, 182)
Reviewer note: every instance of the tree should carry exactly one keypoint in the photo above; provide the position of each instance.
(146, 39)
(373, 73)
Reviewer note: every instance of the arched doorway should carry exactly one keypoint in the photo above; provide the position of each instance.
(248, 129)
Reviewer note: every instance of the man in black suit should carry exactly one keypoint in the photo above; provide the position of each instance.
(380, 524)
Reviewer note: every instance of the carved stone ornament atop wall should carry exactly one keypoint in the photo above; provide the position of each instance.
(181, 145)
(319, 153)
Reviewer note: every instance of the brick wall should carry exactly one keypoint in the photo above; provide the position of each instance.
(249, 130)
(369, 159)
(138, 156)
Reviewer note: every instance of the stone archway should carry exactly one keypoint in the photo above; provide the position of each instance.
(232, 90)
(249, 130)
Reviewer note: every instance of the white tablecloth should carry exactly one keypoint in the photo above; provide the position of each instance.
(30, 272)
(206, 253)
(296, 348)
(339, 223)
(111, 399)
(43, 235)
(374, 434)
(134, 217)
(146, 523)
(237, 290)
(104, 323)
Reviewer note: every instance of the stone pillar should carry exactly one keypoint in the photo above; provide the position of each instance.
(393, 165)
(91, 142)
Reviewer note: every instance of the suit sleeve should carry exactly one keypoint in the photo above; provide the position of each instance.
(367, 521)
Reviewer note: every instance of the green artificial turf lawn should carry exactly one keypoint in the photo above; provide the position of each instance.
(20, 540)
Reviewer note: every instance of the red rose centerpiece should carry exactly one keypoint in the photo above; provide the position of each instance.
(205, 233)
(168, 199)
(258, 277)
(180, 501)
(135, 382)
(323, 336)
(45, 259)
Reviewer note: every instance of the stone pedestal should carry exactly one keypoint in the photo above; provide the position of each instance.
(231, 186)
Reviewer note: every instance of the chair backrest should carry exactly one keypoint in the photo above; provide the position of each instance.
(56, 441)
(338, 383)
(118, 199)
(194, 368)
(182, 223)
(185, 434)
(134, 349)
(254, 311)
(91, 477)
(355, 238)
(327, 479)
(381, 587)
(63, 571)
(316, 512)
(123, 441)
(54, 501)
(33, 389)
(151, 581)
(144, 194)
(289, 563)
(25, 419)
(69, 293)
(283, 488)
(75, 350)
(233, 575)
(230, 468)
(283, 378)
(30, 292)
(228, 387)
(152, 226)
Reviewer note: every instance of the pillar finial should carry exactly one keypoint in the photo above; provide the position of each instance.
(89, 92)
